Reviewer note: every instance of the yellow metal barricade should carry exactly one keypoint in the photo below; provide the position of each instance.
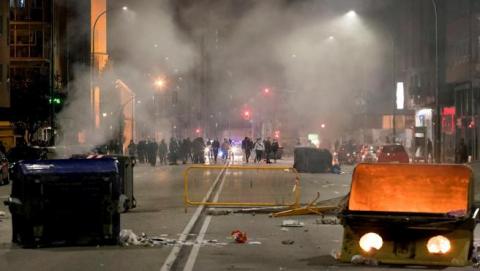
(235, 186)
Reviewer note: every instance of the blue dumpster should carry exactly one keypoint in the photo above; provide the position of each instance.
(65, 202)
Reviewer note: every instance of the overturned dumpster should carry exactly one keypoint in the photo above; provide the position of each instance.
(67, 202)
(410, 215)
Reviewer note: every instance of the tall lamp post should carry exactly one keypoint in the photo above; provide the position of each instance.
(438, 127)
(92, 62)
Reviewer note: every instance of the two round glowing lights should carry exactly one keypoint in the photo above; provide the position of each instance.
(436, 245)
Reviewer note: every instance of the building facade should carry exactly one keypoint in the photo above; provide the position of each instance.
(463, 71)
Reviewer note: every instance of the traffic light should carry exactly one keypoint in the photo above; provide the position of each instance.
(55, 100)
(246, 114)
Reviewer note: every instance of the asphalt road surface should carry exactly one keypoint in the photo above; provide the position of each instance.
(208, 243)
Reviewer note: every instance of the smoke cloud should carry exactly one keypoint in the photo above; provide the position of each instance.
(317, 60)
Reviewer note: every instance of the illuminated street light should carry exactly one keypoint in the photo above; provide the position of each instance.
(160, 83)
(92, 62)
(323, 125)
(197, 131)
(331, 38)
(266, 90)
(351, 14)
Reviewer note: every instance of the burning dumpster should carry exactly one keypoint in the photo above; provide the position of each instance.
(410, 214)
(71, 201)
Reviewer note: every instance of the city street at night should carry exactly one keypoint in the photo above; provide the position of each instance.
(239, 135)
(160, 212)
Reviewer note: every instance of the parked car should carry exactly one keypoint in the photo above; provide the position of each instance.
(369, 155)
(392, 154)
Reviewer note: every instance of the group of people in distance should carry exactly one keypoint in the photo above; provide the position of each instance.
(185, 150)
(264, 149)
(147, 151)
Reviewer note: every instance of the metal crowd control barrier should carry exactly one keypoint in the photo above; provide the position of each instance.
(223, 169)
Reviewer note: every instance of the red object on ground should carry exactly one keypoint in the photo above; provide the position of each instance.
(239, 237)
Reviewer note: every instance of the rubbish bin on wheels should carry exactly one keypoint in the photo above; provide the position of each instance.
(125, 169)
(312, 160)
(69, 201)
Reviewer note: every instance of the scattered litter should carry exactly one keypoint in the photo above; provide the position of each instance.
(292, 223)
(359, 259)
(335, 254)
(327, 220)
(476, 255)
(217, 211)
(254, 243)
(239, 237)
(284, 229)
(164, 235)
(128, 237)
(288, 242)
(260, 210)
(336, 192)
(3, 214)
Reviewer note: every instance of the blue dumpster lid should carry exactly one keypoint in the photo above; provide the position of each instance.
(65, 166)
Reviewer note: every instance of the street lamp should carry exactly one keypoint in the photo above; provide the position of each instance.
(122, 86)
(438, 130)
(92, 59)
(351, 14)
(160, 83)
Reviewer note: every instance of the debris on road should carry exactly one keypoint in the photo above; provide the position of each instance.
(476, 255)
(284, 229)
(217, 211)
(254, 243)
(288, 242)
(292, 223)
(327, 220)
(359, 259)
(128, 237)
(335, 254)
(239, 237)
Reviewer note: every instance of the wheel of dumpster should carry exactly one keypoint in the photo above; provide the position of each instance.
(122, 203)
(134, 202)
(126, 205)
